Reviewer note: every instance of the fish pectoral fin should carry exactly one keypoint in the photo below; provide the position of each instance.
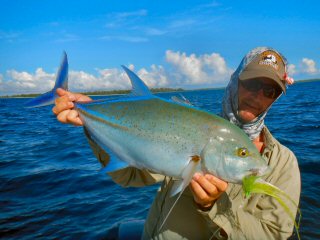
(187, 174)
(180, 185)
(181, 100)
(177, 187)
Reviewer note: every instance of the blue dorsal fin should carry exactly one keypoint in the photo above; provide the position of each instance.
(139, 88)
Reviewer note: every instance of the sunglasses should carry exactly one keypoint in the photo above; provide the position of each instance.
(254, 85)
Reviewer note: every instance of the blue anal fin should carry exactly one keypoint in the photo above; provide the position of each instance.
(114, 164)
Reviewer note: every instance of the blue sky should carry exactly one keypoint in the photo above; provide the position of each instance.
(188, 44)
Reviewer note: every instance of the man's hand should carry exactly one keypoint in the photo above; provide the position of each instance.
(63, 108)
(207, 189)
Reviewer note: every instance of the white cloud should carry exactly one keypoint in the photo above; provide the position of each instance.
(156, 77)
(181, 71)
(24, 82)
(110, 79)
(107, 79)
(308, 66)
(292, 70)
(193, 70)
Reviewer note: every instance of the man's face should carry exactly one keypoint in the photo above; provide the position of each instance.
(253, 102)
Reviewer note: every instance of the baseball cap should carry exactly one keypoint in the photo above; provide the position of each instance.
(267, 64)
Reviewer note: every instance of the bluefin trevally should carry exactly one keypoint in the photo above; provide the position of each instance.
(164, 136)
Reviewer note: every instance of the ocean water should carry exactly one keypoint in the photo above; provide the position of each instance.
(51, 186)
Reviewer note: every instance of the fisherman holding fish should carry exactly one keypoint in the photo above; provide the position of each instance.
(212, 208)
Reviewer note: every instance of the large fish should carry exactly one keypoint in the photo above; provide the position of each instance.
(164, 136)
(168, 137)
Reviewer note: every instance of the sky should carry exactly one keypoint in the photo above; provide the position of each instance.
(180, 44)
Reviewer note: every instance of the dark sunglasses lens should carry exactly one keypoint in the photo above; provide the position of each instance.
(251, 85)
(271, 91)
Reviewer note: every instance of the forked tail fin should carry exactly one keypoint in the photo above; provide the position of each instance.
(61, 82)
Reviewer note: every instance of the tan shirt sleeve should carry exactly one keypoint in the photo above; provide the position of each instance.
(126, 177)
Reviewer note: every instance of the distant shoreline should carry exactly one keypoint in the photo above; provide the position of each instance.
(154, 90)
(308, 80)
(100, 93)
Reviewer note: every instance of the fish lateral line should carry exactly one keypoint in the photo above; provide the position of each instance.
(102, 120)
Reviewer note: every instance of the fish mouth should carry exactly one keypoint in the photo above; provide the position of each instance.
(259, 172)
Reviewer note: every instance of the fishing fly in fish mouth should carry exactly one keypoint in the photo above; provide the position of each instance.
(142, 138)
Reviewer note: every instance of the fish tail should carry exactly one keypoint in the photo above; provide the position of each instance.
(61, 82)
(254, 184)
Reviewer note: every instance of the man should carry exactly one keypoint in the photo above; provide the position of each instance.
(211, 208)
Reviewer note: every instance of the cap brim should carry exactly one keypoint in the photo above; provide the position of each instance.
(252, 74)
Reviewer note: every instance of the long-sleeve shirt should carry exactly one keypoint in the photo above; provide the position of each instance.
(257, 217)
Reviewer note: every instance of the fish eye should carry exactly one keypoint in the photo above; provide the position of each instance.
(243, 152)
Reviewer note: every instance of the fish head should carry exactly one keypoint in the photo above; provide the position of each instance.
(232, 156)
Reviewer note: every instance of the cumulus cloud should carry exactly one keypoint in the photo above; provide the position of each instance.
(182, 71)
(104, 79)
(292, 70)
(308, 66)
(24, 82)
(203, 69)
(156, 77)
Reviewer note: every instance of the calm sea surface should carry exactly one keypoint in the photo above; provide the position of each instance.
(51, 187)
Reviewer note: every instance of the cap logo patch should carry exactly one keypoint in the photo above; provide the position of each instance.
(269, 59)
